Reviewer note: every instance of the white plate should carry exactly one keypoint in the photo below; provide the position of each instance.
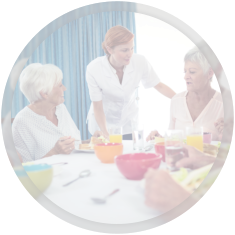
(57, 170)
(215, 143)
(85, 150)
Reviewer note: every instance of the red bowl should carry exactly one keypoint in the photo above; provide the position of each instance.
(160, 148)
(134, 166)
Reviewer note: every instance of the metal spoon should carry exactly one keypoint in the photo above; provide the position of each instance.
(103, 200)
(83, 174)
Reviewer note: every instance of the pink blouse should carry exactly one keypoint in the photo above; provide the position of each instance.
(180, 117)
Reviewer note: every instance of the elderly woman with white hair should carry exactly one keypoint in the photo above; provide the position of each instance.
(200, 105)
(44, 127)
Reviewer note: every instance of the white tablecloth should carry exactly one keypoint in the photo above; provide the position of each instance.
(126, 206)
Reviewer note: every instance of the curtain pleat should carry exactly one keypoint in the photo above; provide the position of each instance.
(71, 48)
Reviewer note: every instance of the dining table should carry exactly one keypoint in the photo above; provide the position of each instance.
(125, 206)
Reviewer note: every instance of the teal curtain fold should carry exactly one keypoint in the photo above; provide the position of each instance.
(71, 48)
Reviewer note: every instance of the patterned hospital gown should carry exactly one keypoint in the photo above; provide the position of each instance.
(34, 136)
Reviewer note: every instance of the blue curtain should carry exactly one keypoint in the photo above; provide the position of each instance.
(72, 48)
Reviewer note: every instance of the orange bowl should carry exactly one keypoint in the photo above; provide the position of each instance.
(107, 152)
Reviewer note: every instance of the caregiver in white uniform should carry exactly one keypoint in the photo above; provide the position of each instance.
(112, 82)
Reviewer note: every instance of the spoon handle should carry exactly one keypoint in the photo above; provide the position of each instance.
(115, 191)
(71, 182)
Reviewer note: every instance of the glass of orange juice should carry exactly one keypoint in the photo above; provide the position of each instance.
(195, 137)
(115, 135)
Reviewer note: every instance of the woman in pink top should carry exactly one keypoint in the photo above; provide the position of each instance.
(200, 105)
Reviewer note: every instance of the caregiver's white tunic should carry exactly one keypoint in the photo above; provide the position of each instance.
(119, 100)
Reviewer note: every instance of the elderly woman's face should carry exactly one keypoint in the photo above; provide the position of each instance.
(56, 96)
(195, 77)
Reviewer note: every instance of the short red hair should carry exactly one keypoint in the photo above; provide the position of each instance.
(115, 36)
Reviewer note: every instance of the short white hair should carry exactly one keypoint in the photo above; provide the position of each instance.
(195, 55)
(36, 78)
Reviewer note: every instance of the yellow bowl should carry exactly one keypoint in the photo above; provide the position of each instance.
(41, 175)
(25, 180)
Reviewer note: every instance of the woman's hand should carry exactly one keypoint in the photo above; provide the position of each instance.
(162, 192)
(152, 135)
(193, 158)
(100, 133)
(65, 145)
(219, 125)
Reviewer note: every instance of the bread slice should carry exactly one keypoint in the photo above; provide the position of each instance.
(84, 146)
(210, 147)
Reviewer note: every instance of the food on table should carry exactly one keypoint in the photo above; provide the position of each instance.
(158, 139)
(210, 149)
(190, 181)
(93, 142)
(103, 139)
(180, 175)
(85, 147)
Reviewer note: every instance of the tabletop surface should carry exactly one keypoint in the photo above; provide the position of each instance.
(126, 206)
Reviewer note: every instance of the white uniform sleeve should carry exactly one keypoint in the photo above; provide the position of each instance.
(172, 119)
(149, 78)
(94, 89)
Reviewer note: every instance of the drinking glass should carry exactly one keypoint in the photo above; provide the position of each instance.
(173, 148)
(115, 134)
(137, 134)
(195, 137)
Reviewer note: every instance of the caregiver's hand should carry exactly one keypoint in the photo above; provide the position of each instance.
(162, 192)
(193, 158)
(152, 135)
(100, 133)
(65, 145)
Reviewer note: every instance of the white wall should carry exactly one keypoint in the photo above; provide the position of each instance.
(164, 47)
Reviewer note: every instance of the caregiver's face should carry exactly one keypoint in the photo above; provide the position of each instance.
(56, 96)
(122, 54)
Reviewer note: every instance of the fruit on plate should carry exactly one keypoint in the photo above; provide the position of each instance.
(210, 149)
(93, 142)
(158, 139)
